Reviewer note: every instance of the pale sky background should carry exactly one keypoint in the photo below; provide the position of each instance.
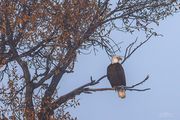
(160, 58)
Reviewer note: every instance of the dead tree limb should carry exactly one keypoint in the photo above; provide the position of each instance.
(130, 88)
(85, 89)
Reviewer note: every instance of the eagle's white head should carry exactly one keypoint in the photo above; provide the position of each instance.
(116, 59)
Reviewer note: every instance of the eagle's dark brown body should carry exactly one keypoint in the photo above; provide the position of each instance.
(116, 75)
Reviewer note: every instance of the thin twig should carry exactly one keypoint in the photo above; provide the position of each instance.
(129, 52)
(147, 77)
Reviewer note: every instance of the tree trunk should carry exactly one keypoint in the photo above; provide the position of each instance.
(29, 109)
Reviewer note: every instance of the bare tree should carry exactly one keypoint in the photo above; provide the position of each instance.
(40, 41)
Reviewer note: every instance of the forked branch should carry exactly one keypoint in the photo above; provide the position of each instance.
(130, 88)
(129, 51)
(85, 89)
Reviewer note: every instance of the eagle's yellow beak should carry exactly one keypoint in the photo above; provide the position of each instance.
(120, 58)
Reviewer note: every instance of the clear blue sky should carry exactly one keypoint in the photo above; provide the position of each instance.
(160, 58)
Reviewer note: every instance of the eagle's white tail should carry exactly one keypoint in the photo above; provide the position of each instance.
(122, 93)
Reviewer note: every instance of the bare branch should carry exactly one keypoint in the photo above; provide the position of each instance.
(147, 77)
(129, 52)
(130, 88)
(85, 89)
(89, 90)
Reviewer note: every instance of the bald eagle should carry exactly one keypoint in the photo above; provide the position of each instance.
(116, 75)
